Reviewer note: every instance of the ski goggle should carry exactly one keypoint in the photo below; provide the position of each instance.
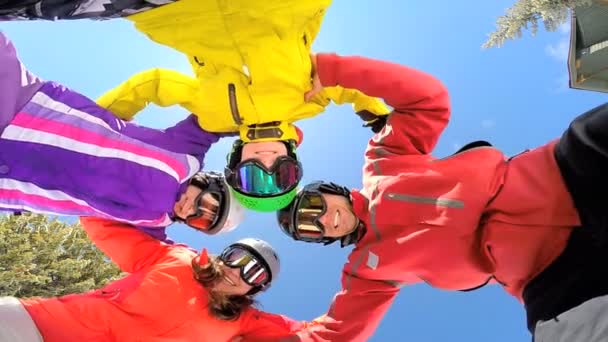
(251, 177)
(207, 204)
(206, 214)
(254, 272)
(308, 212)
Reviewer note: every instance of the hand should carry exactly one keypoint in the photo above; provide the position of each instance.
(316, 81)
(377, 125)
(375, 122)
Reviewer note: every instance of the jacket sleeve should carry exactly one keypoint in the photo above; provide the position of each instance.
(17, 83)
(420, 101)
(184, 137)
(355, 312)
(128, 247)
(360, 101)
(159, 86)
(159, 234)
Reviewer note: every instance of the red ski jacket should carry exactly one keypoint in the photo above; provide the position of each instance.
(455, 223)
(159, 301)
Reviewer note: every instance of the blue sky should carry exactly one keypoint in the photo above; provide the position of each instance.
(517, 97)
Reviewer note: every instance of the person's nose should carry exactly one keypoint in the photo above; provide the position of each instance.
(235, 273)
(326, 220)
(267, 161)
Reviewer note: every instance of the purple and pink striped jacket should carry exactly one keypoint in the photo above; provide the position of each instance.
(60, 153)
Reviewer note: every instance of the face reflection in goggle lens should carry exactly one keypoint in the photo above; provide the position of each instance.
(253, 271)
(310, 209)
(252, 178)
(206, 214)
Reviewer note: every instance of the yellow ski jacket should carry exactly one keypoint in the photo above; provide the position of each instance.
(251, 61)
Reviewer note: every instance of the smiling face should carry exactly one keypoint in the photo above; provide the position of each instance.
(339, 219)
(266, 152)
(231, 282)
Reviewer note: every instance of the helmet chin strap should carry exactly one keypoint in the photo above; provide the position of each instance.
(356, 224)
(254, 290)
(355, 236)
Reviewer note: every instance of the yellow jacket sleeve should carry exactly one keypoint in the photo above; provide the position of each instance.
(159, 86)
(360, 101)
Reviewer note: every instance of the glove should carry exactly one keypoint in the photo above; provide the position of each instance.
(373, 121)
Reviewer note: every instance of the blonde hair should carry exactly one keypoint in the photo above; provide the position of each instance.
(221, 306)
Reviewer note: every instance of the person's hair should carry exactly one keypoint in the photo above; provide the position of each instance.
(221, 306)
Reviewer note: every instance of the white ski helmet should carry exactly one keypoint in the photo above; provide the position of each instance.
(264, 251)
(231, 213)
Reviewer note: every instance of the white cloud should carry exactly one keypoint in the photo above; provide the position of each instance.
(565, 27)
(559, 52)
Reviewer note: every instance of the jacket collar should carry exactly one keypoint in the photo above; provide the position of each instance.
(360, 206)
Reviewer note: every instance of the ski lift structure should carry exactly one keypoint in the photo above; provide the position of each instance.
(588, 53)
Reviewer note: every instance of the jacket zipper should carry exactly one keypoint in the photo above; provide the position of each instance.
(199, 62)
(234, 109)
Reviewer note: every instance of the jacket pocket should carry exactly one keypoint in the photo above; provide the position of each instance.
(434, 211)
